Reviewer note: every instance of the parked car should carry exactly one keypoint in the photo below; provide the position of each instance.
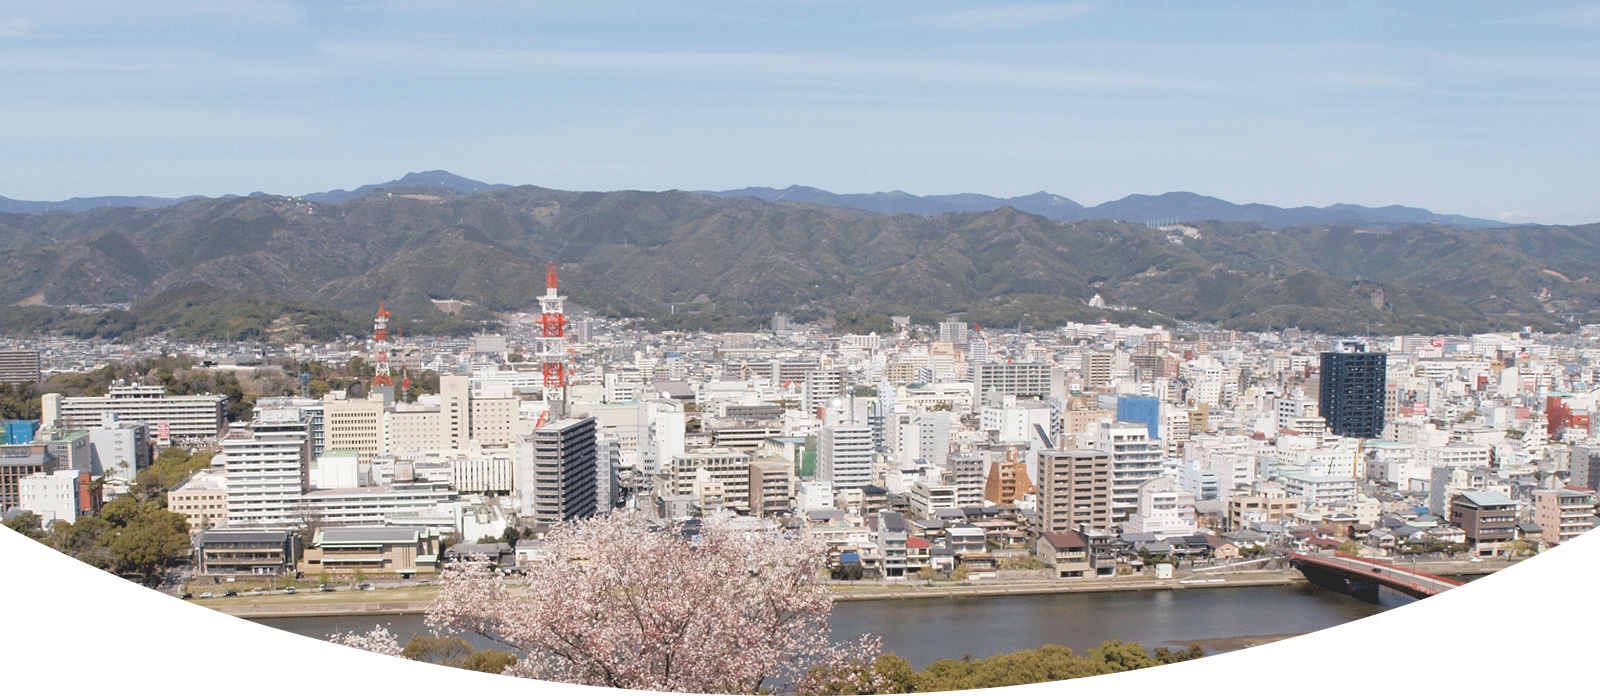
(289, 591)
(326, 588)
(231, 593)
(366, 586)
(206, 595)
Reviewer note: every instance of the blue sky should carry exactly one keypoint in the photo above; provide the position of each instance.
(1477, 108)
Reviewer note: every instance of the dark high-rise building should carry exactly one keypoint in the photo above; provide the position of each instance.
(1352, 391)
(558, 472)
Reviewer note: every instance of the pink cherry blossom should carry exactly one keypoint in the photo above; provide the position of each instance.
(378, 640)
(613, 602)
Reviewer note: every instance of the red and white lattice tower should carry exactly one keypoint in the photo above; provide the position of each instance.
(380, 349)
(552, 341)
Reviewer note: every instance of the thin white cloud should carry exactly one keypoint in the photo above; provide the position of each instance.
(1006, 16)
(1513, 66)
(448, 60)
(1588, 16)
(16, 26)
(154, 64)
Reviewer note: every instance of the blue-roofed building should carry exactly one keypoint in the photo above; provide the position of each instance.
(20, 432)
(1141, 409)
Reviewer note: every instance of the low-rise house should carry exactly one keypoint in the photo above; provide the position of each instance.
(1489, 519)
(966, 539)
(248, 551)
(403, 550)
(498, 553)
(981, 565)
(918, 552)
(1222, 549)
(1067, 554)
(891, 537)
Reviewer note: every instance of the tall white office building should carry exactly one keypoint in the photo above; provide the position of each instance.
(844, 455)
(1135, 459)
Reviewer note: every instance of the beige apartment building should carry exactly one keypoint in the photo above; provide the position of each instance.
(202, 500)
(1074, 490)
(1268, 509)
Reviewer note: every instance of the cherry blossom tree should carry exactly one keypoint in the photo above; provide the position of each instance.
(378, 640)
(616, 602)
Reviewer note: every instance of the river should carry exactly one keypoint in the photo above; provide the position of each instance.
(924, 630)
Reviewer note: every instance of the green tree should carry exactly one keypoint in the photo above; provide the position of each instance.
(1121, 656)
(491, 661)
(149, 541)
(449, 651)
(27, 524)
(87, 539)
(121, 512)
(1167, 657)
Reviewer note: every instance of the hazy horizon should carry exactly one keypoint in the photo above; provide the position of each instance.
(1460, 109)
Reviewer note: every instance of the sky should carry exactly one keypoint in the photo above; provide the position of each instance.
(1468, 107)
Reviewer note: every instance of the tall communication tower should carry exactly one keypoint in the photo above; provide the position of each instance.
(552, 341)
(380, 349)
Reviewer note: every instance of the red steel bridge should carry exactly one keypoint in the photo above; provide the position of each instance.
(1353, 569)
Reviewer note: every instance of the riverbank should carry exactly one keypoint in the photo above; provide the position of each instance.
(415, 600)
(1254, 578)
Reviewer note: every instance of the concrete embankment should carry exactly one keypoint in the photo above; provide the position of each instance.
(278, 611)
(283, 607)
(990, 588)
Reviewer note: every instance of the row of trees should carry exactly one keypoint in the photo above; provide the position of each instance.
(892, 674)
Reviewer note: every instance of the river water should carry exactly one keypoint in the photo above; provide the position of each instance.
(924, 630)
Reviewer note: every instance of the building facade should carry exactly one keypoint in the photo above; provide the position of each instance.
(557, 477)
(1352, 393)
(1074, 490)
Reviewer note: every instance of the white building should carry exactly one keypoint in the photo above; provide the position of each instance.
(119, 450)
(267, 475)
(1318, 491)
(196, 417)
(52, 495)
(815, 495)
(1135, 459)
(844, 456)
(1164, 510)
(336, 469)
(926, 499)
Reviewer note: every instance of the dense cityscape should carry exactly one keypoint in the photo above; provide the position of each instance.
(932, 453)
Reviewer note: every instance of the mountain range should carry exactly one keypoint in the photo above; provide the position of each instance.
(1174, 206)
(265, 266)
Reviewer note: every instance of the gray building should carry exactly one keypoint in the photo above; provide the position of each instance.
(557, 472)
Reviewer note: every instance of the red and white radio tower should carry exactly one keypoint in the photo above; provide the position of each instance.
(552, 342)
(380, 348)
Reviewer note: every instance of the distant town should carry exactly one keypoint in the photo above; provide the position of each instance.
(935, 455)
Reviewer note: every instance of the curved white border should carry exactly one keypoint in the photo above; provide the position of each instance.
(1528, 626)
